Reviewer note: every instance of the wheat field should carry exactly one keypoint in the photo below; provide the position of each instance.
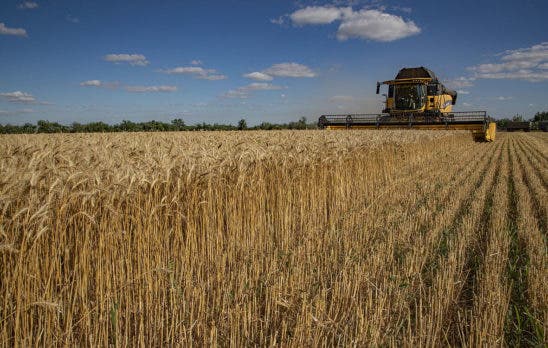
(280, 238)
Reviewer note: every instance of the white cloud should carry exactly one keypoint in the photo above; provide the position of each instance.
(136, 89)
(213, 77)
(95, 83)
(244, 91)
(196, 62)
(524, 74)
(19, 97)
(460, 91)
(535, 53)
(281, 70)
(261, 86)
(132, 59)
(501, 98)
(341, 98)
(528, 64)
(460, 82)
(236, 93)
(367, 24)
(143, 89)
(197, 71)
(280, 20)
(22, 98)
(376, 25)
(503, 67)
(12, 31)
(402, 9)
(316, 15)
(16, 112)
(289, 70)
(99, 83)
(28, 5)
(72, 19)
(258, 76)
(186, 70)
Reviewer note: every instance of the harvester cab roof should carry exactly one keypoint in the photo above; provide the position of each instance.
(421, 75)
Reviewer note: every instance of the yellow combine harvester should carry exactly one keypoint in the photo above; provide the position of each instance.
(416, 99)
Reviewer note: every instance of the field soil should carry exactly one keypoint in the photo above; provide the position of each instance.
(292, 238)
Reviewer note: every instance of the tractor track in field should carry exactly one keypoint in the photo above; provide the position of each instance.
(518, 328)
(475, 246)
(449, 233)
(538, 164)
(457, 178)
(476, 251)
(491, 288)
(462, 206)
(540, 156)
(442, 250)
(538, 207)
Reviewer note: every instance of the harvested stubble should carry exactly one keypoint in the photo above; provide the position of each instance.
(265, 238)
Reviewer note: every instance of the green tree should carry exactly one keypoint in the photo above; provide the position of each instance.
(97, 127)
(28, 128)
(540, 116)
(301, 123)
(51, 127)
(242, 124)
(77, 127)
(517, 118)
(502, 123)
(128, 126)
(178, 124)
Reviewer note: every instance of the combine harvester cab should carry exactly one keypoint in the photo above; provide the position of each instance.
(416, 100)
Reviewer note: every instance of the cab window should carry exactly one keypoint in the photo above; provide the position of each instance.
(410, 97)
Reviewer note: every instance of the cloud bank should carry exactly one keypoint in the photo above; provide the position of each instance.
(133, 89)
(281, 70)
(290, 70)
(99, 83)
(196, 71)
(244, 91)
(259, 76)
(27, 5)
(12, 31)
(529, 64)
(144, 89)
(132, 59)
(19, 97)
(22, 98)
(366, 24)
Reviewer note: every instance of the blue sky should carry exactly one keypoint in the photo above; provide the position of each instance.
(82, 61)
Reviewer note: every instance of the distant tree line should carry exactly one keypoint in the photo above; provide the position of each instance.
(178, 124)
(535, 120)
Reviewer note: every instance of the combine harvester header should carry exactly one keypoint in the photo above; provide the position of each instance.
(416, 99)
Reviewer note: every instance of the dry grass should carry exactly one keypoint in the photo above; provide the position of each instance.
(301, 238)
